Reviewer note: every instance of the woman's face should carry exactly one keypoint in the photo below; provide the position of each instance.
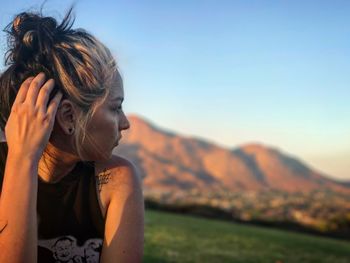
(106, 124)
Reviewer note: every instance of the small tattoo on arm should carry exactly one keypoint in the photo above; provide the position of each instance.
(103, 178)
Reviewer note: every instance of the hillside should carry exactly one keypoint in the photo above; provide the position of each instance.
(170, 162)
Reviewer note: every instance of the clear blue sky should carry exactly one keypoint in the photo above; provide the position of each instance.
(232, 72)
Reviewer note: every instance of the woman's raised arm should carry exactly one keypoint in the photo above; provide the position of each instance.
(27, 132)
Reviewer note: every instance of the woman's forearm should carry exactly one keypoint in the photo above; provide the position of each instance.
(18, 239)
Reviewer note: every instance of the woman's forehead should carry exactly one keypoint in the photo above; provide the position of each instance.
(116, 89)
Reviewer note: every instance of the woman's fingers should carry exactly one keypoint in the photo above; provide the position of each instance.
(23, 90)
(34, 89)
(44, 95)
(52, 108)
(36, 92)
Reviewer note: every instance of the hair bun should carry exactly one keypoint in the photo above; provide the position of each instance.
(31, 28)
(31, 36)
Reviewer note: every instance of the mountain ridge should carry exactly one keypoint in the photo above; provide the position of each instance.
(168, 161)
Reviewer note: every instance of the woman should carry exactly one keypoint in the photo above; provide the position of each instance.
(64, 196)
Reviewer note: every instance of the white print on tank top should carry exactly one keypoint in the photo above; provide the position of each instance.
(65, 249)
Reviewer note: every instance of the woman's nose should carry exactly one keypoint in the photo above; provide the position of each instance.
(125, 124)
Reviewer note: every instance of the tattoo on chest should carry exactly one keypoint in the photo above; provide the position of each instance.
(103, 178)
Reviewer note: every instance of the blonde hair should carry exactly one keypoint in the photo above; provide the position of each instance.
(82, 67)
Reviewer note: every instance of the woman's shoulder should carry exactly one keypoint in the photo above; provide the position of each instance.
(118, 167)
(117, 175)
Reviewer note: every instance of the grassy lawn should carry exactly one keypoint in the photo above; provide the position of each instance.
(177, 238)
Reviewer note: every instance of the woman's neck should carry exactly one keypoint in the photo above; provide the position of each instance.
(55, 164)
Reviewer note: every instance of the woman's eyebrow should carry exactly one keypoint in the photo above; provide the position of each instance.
(118, 98)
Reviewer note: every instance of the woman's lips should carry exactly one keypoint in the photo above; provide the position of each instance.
(117, 142)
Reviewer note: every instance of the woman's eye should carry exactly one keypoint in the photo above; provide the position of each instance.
(117, 109)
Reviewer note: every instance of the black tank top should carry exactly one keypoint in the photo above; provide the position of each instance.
(70, 222)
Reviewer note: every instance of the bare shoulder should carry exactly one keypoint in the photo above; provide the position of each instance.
(117, 176)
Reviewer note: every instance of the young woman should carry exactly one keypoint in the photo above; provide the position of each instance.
(64, 196)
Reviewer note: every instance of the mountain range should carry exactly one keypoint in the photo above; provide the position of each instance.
(171, 162)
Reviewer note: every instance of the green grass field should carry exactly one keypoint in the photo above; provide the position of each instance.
(177, 238)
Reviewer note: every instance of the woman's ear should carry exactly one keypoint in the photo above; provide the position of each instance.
(66, 116)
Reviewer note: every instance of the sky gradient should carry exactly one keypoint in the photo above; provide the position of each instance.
(231, 72)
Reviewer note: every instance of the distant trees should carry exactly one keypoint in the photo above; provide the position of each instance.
(318, 212)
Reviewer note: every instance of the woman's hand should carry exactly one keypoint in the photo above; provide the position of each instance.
(31, 120)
